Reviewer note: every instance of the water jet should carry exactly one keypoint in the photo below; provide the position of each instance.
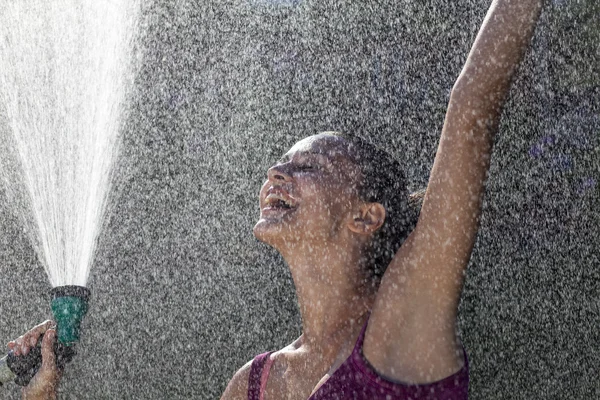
(66, 68)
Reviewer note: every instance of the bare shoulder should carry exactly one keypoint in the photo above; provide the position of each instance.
(237, 389)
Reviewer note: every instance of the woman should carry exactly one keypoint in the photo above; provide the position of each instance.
(337, 210)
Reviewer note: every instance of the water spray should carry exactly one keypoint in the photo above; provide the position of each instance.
(69, 305)
(61, 90)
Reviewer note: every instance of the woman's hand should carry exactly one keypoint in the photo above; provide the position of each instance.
(45, 382)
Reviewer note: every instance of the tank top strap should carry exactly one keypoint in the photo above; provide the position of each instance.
(265, 376)
(256, 374)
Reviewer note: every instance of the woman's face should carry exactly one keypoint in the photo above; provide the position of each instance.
(310, 193)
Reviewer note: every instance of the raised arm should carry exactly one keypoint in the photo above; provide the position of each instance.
(411, 334)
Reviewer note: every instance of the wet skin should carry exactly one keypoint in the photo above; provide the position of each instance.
(322, 231)
(319, 181)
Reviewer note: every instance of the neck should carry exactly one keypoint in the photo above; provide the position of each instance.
(334, 295)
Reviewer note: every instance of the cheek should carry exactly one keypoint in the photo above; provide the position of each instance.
(328, 198)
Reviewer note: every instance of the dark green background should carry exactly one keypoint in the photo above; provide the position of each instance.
(183, 295)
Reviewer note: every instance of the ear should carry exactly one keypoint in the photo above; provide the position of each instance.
(368, 219)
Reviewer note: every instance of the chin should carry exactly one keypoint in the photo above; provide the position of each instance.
(275, 231)
(269, 231)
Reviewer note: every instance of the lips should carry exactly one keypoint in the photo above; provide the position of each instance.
(278, 199)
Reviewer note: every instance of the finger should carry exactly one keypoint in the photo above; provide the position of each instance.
(48, 357)
(24, 342)
(19, 345)
(40, 329)
(13, 346)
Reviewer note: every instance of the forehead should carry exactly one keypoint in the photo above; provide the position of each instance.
(331, 146)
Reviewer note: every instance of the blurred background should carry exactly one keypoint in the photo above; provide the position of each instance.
(184, 295)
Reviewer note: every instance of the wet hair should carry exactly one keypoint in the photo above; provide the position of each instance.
(384, 182)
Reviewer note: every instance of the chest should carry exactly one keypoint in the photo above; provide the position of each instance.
(290, 383)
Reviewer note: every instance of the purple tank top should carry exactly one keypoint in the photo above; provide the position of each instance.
(356, 379)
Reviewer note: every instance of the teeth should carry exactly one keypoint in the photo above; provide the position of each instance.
(275, 199)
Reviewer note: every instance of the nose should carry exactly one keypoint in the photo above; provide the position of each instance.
(277, 173)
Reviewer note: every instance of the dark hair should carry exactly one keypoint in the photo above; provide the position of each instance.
(384, 182)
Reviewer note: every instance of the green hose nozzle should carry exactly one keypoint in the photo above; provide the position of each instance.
(69, 306)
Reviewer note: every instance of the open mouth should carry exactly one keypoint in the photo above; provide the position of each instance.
(278, 202)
